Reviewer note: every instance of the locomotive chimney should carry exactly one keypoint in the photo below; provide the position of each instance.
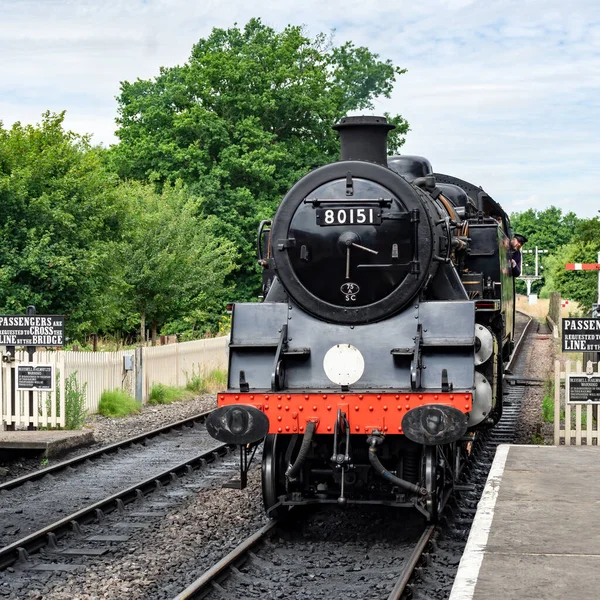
(364, 138)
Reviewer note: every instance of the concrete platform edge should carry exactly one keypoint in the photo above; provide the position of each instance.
(470, 563)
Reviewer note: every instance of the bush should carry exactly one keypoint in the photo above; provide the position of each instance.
(214, 381)
(548, 402)
(165, 394)
(117, 404)
(75, 397)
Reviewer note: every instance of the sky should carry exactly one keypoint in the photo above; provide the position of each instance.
(503, 93)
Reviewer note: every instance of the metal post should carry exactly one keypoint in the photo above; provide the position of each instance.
(139, 375)
(599, 279)
(536, 261)
(31, 352)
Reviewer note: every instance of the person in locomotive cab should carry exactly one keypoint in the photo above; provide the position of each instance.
(516, 243)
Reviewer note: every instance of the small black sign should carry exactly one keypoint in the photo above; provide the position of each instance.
(349, 216)
(584, 388)
(32, 330)
(35, 377)
(580, 335)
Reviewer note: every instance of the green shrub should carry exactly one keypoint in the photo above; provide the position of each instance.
(165, 394)
(75, 397)
(195, 383)
(214, 381)
(548, 402)
(117, 404)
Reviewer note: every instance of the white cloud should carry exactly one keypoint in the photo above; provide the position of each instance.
(504, 93)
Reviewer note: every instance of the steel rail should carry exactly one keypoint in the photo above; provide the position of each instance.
(199, 585)
(94, 454)
(49, 534)
(519, 344)
(406, 574)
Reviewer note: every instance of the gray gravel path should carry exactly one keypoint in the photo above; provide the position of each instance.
(539, 360)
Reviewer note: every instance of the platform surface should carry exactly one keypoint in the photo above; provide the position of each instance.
(51, 442)
(536, 535)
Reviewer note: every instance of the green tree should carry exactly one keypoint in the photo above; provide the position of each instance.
(247, 116)
(59, 218)
(175, 265)
(581, 286)
(548, 229)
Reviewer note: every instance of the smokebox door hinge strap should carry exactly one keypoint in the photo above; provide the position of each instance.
(286, 243)
(349, 184)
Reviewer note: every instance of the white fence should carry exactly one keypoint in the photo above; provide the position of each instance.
(171, 365)
(574, 424)
(40, 409)
(100, 371)
(175, 364)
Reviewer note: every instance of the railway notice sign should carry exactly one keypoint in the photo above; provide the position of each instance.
(580, 335)
(35, 377)
(32, 330)
(583, 389)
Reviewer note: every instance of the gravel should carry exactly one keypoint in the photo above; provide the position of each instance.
(110, 430)
(539, 358)
(159, 561)
(34, 505)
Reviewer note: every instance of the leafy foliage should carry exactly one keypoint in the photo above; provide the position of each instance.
(165, 394)
(75, 398)
(247, 116)
(584, 246)
(60, 215)
(175, 267)
(117, 403)
(548, 229)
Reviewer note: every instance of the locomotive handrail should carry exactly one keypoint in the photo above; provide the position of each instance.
(263, 224)
(317, 201)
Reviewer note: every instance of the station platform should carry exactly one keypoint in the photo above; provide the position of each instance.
(50, 442)
(536, 534)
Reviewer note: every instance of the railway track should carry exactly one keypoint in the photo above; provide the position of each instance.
(42, 507)
(104, 451)
(265, 564)
(378, 565)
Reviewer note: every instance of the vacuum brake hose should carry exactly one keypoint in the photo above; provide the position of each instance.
(402, 483)
(294, 470)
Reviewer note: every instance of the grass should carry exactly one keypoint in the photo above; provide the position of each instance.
(117, 404)
(213, 381)
(548, 402)
(165, 394)
(538, 439)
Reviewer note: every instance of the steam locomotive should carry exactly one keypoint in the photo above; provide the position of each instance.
(377, 352)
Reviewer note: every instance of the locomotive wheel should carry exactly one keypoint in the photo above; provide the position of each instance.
(434, 482)
(273, 473)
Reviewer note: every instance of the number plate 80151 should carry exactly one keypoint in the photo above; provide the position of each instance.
(349, 216)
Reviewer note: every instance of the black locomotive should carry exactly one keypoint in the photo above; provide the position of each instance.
(378, 349)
